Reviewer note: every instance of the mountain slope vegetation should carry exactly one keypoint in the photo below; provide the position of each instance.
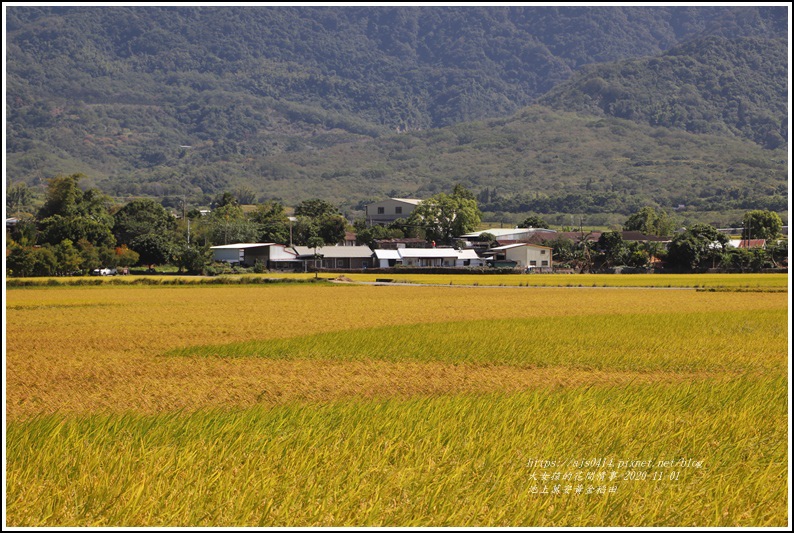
(711, 85)
(350, 103)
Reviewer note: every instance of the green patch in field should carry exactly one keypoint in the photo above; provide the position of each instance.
(459, 460)
(710, 341)
(35, 307)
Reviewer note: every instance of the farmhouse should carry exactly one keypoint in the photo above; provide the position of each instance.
(427, 257)
(387, 258)
(335, 257)
(248, 253)
(387, 211)
(439, 257)
(525, 255)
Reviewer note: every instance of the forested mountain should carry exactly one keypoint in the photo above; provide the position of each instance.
(710, 85)
(196, 100)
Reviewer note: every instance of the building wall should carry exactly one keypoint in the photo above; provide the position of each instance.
(390, 210)
(429, 261)
(230, 255)
(252, 254)
(529, 256)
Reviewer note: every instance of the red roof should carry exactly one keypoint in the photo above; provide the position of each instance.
(752, 243)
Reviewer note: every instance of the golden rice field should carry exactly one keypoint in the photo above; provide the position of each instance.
(358, 405)
(718, 281)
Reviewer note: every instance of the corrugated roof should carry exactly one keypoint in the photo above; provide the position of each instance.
(387, 254)
(509, 246)
(467, 254)
(499, 232)
(413, 201)
(336, 252)
(428, 252)
(242, 245)
(744, 243)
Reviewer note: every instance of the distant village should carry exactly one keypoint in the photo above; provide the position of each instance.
(522, 249)
(81, 232)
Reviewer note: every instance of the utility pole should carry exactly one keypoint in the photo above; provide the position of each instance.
(291, 220)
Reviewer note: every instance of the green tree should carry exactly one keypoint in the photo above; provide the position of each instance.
(697, 248)
(75, 228)
(778, 252)
(650, 221)
(63, 197)
(331, 228)
(613, 248)
(25, 261)
(69, 213)
(303, 229)
(142, 217)
(444, 216)
(761, 224)
(18, 197)
(272, 222)
(244, 195)
(315, 209)
(488, 238)
(153, 248)
(228, 224)
(25, 231)
(366, 236)
(89, 256)
(126, 257)
(191, 258)
(43, 261)
(68, 257)
(533, 221)
(19, 260)
(224, 199)
(563, 249)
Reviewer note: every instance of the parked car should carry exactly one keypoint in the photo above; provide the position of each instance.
(104, 272)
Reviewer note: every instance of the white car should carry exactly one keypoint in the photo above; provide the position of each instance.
(104, 272)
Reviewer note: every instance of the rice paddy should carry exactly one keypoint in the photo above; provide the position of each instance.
(346, 405)
(716, 281)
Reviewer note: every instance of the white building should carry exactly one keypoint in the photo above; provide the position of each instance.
(336, 257)
(387, 258)
(247, 253)
(387, 211)
(525, 255)
(439, 257)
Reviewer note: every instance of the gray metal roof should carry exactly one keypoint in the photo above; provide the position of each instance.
(336, 251)
(242, 245)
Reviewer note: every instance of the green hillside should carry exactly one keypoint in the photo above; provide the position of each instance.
(711, 85)
(538, 160)
(354, 103)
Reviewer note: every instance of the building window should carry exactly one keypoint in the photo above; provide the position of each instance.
(533, 263)
(381, 210)
(544, 263)
(543, 252)
(398, 210)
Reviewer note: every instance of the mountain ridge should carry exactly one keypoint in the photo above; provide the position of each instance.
(200, 100)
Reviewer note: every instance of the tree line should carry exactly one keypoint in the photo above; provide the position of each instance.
(697, 248)
(76, 231)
